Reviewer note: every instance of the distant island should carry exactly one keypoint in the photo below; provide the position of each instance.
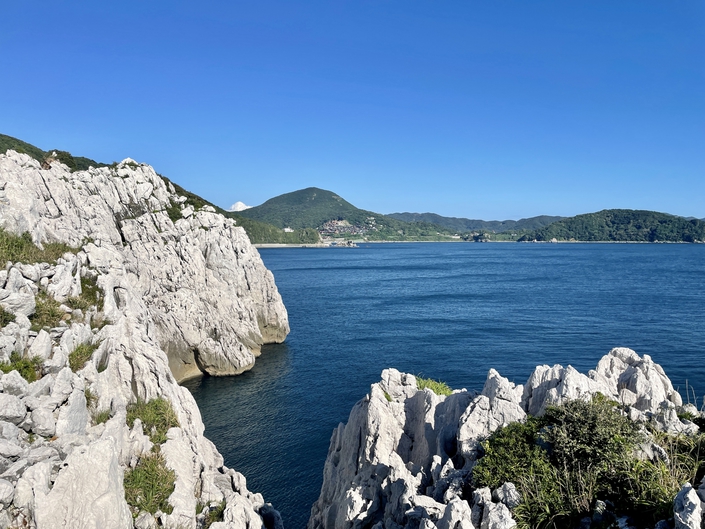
(468, 225)
(621, 225)
(315, 216)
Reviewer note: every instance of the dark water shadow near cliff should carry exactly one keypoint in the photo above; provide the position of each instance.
(256, 421)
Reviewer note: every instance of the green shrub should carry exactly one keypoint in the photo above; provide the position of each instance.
(510, 451)
(580, 452)
(29, 369)
(149, 485)
(20, 248)
(80, 355)
(438, 387)
(47, 312)
(157, 417)
(6, 317)
(174, 212)
(215, 514)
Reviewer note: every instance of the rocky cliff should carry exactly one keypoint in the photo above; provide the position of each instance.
(405, 457)
(176, 292)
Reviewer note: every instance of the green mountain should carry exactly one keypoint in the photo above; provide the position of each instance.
(622, 225)
(258, 232)
(333, 216)
(462, 224)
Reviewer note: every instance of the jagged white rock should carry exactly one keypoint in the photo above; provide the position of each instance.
(177, 298)
(401, 447)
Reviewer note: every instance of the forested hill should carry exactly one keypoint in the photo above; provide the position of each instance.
(334, 216)
(625, 225)
(306, 208)
(460, 224)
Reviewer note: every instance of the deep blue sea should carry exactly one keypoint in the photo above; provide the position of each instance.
(449, 311)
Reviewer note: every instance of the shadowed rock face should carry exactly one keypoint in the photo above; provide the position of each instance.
(405, 456)
(198, 284)
(196, 289)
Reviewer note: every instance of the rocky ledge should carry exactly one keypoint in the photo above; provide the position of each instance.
(150, 291)
(406, 456)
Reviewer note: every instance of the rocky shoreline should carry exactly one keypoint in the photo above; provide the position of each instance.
(151, 290)
(405, 457)
(180, 292)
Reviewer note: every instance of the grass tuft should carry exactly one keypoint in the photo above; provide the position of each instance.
(81, 355)
(149, 485)
(6, 317)
(157, 417)
(20, 248)
(47, 312)
(101, 416)
(29, 369)
(438, 387)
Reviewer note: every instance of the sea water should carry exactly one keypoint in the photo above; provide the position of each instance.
(448, 311)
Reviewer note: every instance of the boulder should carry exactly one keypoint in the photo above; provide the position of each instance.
(88, 492)
(11, 409)
(687, 508)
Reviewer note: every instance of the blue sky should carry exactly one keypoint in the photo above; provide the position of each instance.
(493, 110)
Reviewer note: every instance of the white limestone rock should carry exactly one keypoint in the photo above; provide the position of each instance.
(554, 385)
(7, 492)
(14, 384)
(73, 417)
(498, 405)
(497, 516)
(687, 508)
(457, 515)
(17, 297)
(88, 492)
(507, 494)
(11, 409)
(9, 449)
(628, 375)
(41, 346)
(205, 291)
(34, 482)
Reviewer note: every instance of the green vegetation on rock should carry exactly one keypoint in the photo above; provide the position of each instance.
(29, 368)
(581, 452)
(6, 317)
(74, 163)
(47, 313)
(20, 248)
(622, 225)
(157, 417)
(149, 485)
(438, 387)
(80, 355)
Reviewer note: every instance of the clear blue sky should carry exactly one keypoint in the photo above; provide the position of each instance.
(482, 109)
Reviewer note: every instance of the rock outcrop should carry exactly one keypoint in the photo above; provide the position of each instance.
(174, 299)
(405, 456)
(209, 300)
